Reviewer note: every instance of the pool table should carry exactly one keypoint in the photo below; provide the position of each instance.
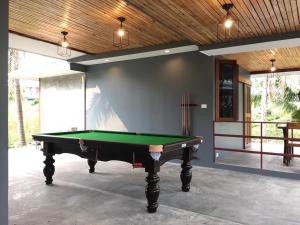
(148, 151)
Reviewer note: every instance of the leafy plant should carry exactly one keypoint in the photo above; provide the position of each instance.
(288, 101)
(296, 116)
(256, 100)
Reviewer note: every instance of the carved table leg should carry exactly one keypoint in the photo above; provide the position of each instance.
(152, 191)
(186, 175)
(49, 168)
(92, 164)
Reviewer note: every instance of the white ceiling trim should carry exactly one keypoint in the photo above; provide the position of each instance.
(41, 74)
(287, 43)
(169, 51)
(38, 47)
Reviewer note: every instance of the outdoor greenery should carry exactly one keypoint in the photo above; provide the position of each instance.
(23, 118)
(274, 99)
(31, 121)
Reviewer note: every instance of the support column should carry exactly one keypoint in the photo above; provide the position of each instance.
(3, 112)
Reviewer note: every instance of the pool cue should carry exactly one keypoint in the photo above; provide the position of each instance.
(188, 114)
(182, 120)
(183, 111)
(184, 115)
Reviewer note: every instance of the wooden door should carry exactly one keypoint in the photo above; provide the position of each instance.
(247, 114)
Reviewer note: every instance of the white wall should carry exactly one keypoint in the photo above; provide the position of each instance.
(62, 103)
(231, 128)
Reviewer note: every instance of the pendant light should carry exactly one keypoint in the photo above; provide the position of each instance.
(63, 46)
(121, 36)
(228, 27)
(273, 68)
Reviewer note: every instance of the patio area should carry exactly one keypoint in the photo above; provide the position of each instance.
(115, 195)
(270, 162)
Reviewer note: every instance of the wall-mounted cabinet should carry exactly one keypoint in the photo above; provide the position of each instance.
(226, 90)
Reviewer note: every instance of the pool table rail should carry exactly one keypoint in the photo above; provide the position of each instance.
(56, 138)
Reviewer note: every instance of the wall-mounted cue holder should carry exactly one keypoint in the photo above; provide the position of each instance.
(189, 105)
(186, 113)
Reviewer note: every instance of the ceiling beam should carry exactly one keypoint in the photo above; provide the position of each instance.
(133, 51)
(41, 47)
(277, 71)
(49, 42)
(284, 40)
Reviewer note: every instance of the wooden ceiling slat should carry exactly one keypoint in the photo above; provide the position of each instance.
(289, 13)
(267, 17)
(253, 16)
(298, 12)
(243, 27)
(88, 18)
(130, 23)
(38, 25)
(282, 9)
(251, 28)
(244, 13)
(286, 58)
(294, 9)
(82, 44)
(202, 25)
(257, 17)
(193, 23)
(273, 17)
(90, 23)
(277, 11)
(173, 21)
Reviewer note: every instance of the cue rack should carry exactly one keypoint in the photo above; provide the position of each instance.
(186, 114)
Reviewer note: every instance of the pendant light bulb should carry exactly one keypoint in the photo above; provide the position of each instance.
(64, 44)
(121, 32)
(273, 68)
(228, 23)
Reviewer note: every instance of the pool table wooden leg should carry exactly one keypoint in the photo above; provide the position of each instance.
(49, 168)
(92, 164)
(186, 176)
(186, 172)
(152, 191)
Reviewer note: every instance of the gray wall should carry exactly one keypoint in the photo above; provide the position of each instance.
(63, 101)
(144, 95)
(3, 112)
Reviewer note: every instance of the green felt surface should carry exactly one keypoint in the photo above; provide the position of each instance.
(143, 139)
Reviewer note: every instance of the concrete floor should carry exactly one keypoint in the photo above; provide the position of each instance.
(115, 195)
(270, 162)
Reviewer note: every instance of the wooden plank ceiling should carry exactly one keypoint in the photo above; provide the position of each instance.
(259, 61)
(91, 22)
